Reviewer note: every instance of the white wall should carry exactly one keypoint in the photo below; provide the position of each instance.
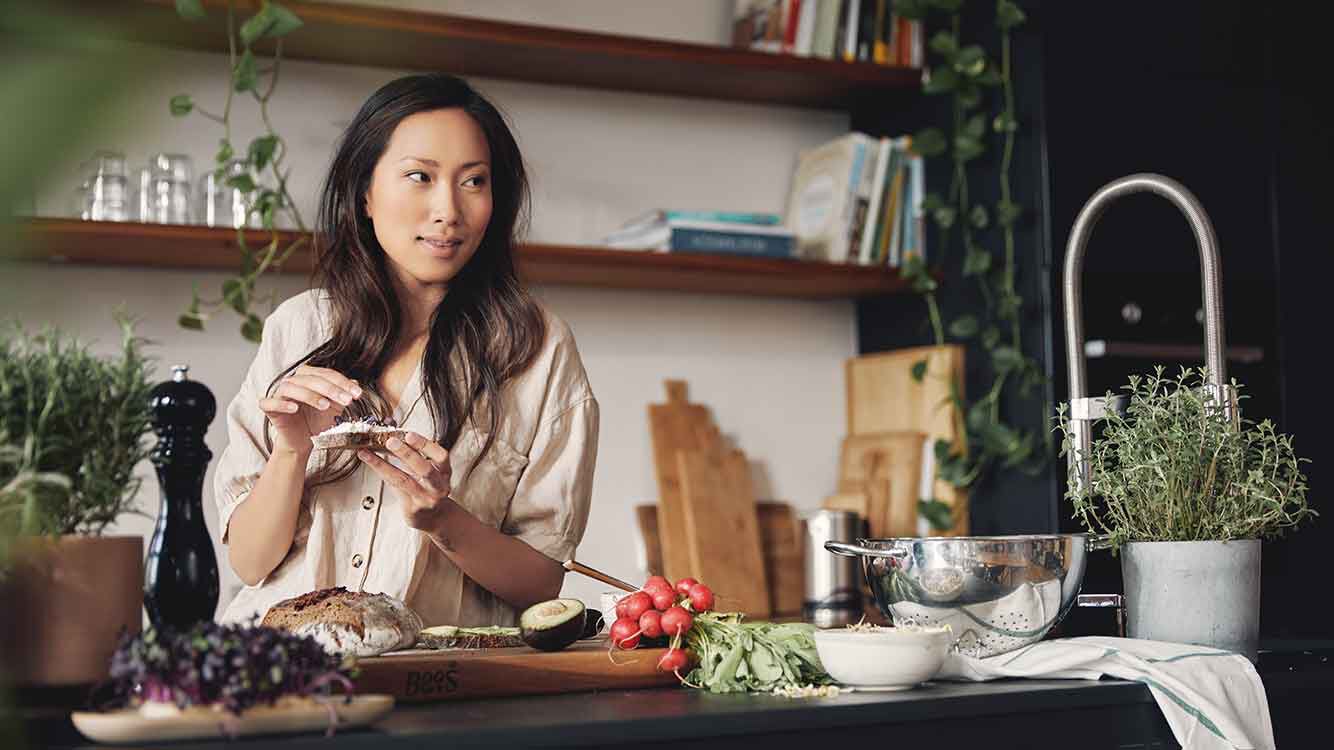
(771, 369)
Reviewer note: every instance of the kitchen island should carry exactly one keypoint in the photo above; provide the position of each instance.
(1007, 714)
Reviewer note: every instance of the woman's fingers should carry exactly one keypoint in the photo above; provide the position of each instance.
(333, 377)
(323, 387)
(391, 474)
(428, 448)
(278, 406)
(413, 459)
(295, 392)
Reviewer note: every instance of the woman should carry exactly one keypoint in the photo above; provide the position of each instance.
(417, 316)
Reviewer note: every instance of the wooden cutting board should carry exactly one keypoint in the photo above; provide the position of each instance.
(673, 427)
(883, 397)
(429, 676)
(647, 516)
(887, 468)
(723, 527)
(783, 546)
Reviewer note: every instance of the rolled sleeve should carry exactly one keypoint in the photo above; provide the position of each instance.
(550, 507)
(244, 458)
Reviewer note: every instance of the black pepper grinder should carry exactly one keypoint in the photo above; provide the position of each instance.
(181, 574)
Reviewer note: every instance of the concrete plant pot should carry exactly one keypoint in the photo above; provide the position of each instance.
(1203, 593)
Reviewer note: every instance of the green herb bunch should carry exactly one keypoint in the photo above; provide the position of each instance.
(737, 657)
(72, 429)
(1177, 466)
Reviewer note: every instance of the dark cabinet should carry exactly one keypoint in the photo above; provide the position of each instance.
(1223, 96)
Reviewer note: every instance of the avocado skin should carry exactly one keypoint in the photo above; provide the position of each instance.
(553, 636)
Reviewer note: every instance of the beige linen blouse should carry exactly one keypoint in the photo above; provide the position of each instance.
(535, 483)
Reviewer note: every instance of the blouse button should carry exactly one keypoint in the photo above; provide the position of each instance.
(356, 561)
(368, 502)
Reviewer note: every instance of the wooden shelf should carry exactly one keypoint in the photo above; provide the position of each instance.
(409, 40)
(196, 247)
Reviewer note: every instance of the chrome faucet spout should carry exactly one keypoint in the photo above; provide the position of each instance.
(1084, 410)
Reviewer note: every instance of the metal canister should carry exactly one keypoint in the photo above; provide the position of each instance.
(833, 583)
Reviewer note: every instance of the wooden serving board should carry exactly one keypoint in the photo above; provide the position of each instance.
(883, 397)
(784, 560)
(430, 676)
(129, 725)
(723, 528)
(673, 428)
(887, 468)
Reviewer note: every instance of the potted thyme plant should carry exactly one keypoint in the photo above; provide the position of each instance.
(1185, 490)
(73, 426)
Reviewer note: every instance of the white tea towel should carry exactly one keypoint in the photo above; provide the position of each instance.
(1211, 699)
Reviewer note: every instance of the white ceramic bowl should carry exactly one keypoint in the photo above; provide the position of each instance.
(883, 659)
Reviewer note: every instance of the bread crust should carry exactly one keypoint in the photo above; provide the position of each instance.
(348, 622)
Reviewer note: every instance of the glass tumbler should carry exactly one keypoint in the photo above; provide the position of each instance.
(108, 188)
(169, 189)
(223, 206)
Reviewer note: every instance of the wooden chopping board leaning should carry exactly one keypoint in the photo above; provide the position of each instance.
(885, 400)
(707, 522)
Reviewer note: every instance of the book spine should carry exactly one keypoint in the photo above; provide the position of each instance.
(917, 58)
(892, 37)
(826, 28)
(806, 28)
(730, 217)
(918, 167)
(840, 29)
(791, 15)
(866, 32)
(850, 30)
(702, 241)
(887, 250)
(874, 197)
(880, 48)
(905, 43)
(886, 197)
(841, 249)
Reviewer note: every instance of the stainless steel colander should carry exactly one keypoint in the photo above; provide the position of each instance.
(996, 593)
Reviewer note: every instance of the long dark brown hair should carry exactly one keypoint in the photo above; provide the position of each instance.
(485, 331)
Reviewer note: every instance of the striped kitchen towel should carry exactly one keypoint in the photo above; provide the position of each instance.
(1211, 699)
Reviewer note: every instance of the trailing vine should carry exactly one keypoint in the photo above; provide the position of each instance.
(264, 155)
(982, 112)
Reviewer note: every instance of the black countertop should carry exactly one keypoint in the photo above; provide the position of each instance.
(1003, 714)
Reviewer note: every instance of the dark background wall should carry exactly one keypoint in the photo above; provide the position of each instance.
(1228, 98)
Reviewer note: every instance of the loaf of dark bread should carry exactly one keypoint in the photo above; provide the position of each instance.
(348, 622)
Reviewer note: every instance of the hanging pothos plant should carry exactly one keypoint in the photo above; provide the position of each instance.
(246, 171)
(983, 119)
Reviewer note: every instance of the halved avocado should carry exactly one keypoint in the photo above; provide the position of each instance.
(552, 625)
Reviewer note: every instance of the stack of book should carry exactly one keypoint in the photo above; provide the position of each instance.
(858, 199)
(705, 232)
(848, 30)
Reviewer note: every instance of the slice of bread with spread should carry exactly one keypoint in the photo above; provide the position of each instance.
(354, 435)
(348, 622)
(452, 636)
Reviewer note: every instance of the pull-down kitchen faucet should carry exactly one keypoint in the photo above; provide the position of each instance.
(1084, 410)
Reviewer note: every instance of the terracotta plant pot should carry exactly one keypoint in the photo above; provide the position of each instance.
(66, 603)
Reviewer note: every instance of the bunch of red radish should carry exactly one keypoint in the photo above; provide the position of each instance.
(659, 609)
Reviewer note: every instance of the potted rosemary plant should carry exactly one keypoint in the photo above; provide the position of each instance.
(73, 426)
(1185, 490)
